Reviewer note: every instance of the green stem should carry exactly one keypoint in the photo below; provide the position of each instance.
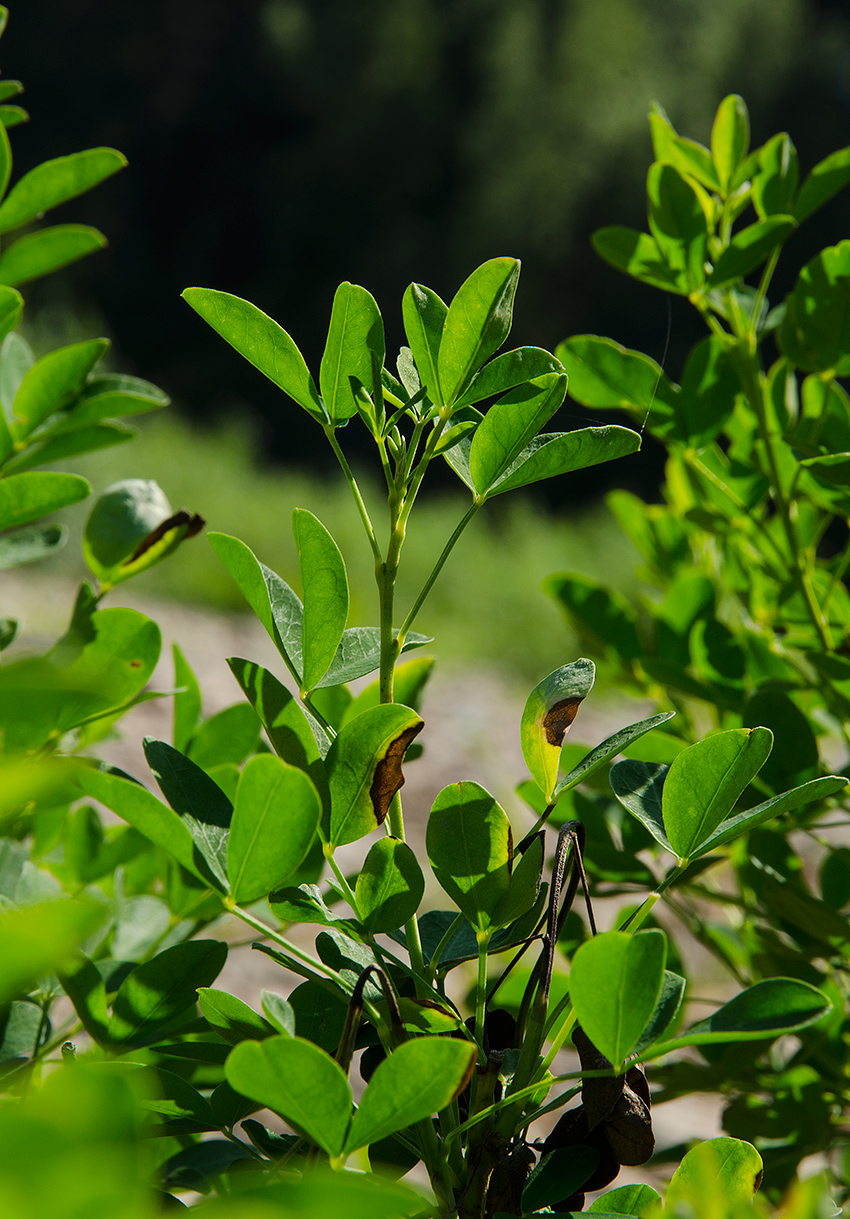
(441, 947)
(347, 891)
(483, 938)
(764, 284)
(304, 960)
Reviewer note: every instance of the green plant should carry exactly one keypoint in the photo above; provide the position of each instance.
(747, 617)
(113, 915)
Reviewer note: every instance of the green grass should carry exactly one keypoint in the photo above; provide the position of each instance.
(487, 605)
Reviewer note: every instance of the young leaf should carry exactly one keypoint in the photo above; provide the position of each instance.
(705, 781)
(419, 1078)
(760, 1013)
(52, 182)
(160, 990)
(826, 179)
(232, 1019)
(470, 847)
(261, 341)
(279, 1012)
(692, 160)
(274, 822)
(547, 716)
(26, 497)
(424, 315)
(608, 749)
(389, 886)
(477, 324)
(60, 444)
(555, 453)
(355, 340)
(297, 1080)
(364, 769)
(199, 801)
(508, 370)
(271, 599)
(638, 787)
(40, 253)
(510, 424)
(730, 138)
(325, 586)
(54, 379)
(775, 184)
(615, 984)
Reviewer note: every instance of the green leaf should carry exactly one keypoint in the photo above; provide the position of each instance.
(775, 184)
(555, 453)
(807, 793)
(705, 781)
(172, 1097)
(524, 886)
(608, 749)
(599, 615)
(41, 938)
(815, 334)
(760, 1013)
(54, 379)
(409, 681)
(678, 223)
(271, 599)
(5, 161)
(359, 653)
(325, 585)
(9, 88)
(558, 1175)
(53, 182)
(510, 424)
(30, 545)
(275, 818)
(261, 341)
(605, 375)
(355, 348)
(642, 1201)
(470, 847)
(111, 395)
(298, 1081)
(424, 315)
(615, 985)
(477, 324)
(749, 248)
(364, 769)
(826, 179)
(722, 1172)
(11, 116)
(187, 702)
(508, 370)
(638, 787)
(158, 991)
(229, 737)
(419, 1078)
(547, 716)
(232, 1019)
(59, 445)
(199, 801)
(666, 1010)
(708, 394)
(730, 138)
(389, 886)
(305, 904)
(638, 255)
(84, 986)
(149, 816)
(40, 253)
(26, 497)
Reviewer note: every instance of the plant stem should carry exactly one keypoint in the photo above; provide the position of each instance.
(355, 491)
(304, 960)
(437, 568)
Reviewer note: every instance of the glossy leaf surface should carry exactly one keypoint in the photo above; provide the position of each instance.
(325, 586)
(470, 847)
(355, 348)
(54, 181)
(160, 990)
(389, 886)
(615, 985)
(477, 324)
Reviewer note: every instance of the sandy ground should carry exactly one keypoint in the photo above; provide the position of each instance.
(472, 732)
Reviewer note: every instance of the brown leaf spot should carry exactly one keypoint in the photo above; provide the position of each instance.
(388, 775)
(135, 664)
(557, 720)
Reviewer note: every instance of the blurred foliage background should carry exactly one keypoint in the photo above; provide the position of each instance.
(277, 147)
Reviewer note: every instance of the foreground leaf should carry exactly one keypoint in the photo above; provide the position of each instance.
(52, 182)
(470, 848)
(615, 984)
(364, 769)
(325, 586)
(549, 711)
(158, 991)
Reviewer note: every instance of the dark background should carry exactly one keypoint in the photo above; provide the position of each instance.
(277, 147)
